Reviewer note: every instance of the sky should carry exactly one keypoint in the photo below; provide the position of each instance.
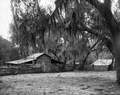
(6, 16)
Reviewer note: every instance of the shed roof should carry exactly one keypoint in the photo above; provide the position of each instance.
(19, 61)
(34, 56)
(27, 59)
(102, 62)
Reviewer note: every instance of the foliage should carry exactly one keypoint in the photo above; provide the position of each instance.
(29, 24)
(76, 22)
(54, 45)
(7, 51)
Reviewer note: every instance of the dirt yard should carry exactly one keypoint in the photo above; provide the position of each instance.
(68, 83)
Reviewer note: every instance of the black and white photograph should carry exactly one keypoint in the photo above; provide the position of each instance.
(59, 47)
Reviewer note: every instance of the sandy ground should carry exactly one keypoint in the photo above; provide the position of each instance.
(68, 83)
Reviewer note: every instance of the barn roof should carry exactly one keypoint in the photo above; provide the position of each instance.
(27, 59)
(102, 62)
(34, 56)
(19, 61)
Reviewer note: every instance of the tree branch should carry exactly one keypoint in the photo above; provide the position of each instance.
(106, 41)
(104, 9)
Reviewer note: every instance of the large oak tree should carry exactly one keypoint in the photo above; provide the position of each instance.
(105, 10)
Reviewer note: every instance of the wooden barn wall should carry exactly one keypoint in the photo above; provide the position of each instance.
(44, 62)
(100, 68)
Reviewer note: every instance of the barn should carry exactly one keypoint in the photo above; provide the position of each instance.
(102, 64)
(41, 61)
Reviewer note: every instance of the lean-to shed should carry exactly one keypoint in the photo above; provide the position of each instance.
(102, 64)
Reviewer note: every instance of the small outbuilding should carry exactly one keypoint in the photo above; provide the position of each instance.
(102, 64)
(41, 61)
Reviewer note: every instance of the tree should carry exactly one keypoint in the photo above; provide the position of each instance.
(111, 24)
(54, 45)
(14, 54)
(79, 19)
(30, 22)
(6, 51)
(5, 47)
(105, 10)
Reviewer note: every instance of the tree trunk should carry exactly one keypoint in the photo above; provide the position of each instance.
(64, 63)
(109, 45)
(84, 62)
(116, 40)
(74, 66)
(82, 66)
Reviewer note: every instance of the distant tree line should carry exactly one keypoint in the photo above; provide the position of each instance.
(7, 51)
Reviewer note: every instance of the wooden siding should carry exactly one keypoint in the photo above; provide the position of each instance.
(44, 62)
(100, 68)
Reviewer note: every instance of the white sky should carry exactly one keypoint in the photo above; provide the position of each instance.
(6, 16)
